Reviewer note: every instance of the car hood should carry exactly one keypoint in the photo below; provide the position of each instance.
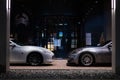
(35, 48)
(86, 49)
(92, 47)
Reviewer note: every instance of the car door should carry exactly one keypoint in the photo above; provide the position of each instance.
(109, 54)
(14, 53)
(106, 54)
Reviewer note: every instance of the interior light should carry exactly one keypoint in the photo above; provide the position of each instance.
(78, 22)
(96, 2)
(60, 24)
(65, 24)
(60, 34)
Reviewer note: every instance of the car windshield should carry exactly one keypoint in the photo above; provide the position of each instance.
(12, 43)
(18, 43)
(105, 43)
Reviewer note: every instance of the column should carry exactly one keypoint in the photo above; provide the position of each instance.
(4, 35)
(116, 36)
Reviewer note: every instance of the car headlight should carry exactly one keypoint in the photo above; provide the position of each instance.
(76, 51)
(73, 52)
(72, 55)
(47, 51)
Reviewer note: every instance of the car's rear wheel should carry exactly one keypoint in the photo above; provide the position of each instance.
(86, 59)
(35, 59)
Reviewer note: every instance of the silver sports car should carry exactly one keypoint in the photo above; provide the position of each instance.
(90, 55)
(32, 55)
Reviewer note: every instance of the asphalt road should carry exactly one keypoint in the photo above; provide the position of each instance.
(60, 64)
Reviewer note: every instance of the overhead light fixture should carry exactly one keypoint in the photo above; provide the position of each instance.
(96, 2)
(60, 24)
(79, 23)
(65, 24)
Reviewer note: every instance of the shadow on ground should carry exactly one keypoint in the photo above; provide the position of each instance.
(96, 65)
(30, 65)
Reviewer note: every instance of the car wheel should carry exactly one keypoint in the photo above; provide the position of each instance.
(35, 59)
(86, 59)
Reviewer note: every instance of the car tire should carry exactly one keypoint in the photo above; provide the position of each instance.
(34, 59)
(86, 59)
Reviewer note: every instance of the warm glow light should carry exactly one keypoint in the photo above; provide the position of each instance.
(50, 46)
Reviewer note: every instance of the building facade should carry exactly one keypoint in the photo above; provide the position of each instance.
(5, 27)
(60, 26)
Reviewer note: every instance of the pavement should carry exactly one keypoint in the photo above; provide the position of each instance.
(59, 71)
(59, 64)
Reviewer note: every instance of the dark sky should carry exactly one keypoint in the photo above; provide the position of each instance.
(58, 7)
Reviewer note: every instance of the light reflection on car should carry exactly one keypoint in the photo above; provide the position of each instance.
(32, 55)
(88, 56)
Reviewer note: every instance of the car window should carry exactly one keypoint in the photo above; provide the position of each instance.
(105, 43)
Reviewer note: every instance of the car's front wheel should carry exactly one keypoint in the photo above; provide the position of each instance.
(86, 59)
(34, 59)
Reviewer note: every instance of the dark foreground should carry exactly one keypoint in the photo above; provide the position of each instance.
(59, 74)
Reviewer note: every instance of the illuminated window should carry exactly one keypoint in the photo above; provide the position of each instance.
(74, 40)
(50, 44)
(60, 34)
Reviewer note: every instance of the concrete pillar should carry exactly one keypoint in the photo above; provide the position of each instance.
(116, 36)
(4, 35)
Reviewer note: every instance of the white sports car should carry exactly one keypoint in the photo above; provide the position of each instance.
(32, 55)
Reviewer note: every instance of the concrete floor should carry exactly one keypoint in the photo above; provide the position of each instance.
(59, 71)
(59, 64)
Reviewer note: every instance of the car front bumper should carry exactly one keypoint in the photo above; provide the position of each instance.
(72, 59)
(48, 59)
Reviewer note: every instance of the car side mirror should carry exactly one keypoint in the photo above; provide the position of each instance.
(109, 46)
(12, 45)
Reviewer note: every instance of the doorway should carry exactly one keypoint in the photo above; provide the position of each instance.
(60, 34)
